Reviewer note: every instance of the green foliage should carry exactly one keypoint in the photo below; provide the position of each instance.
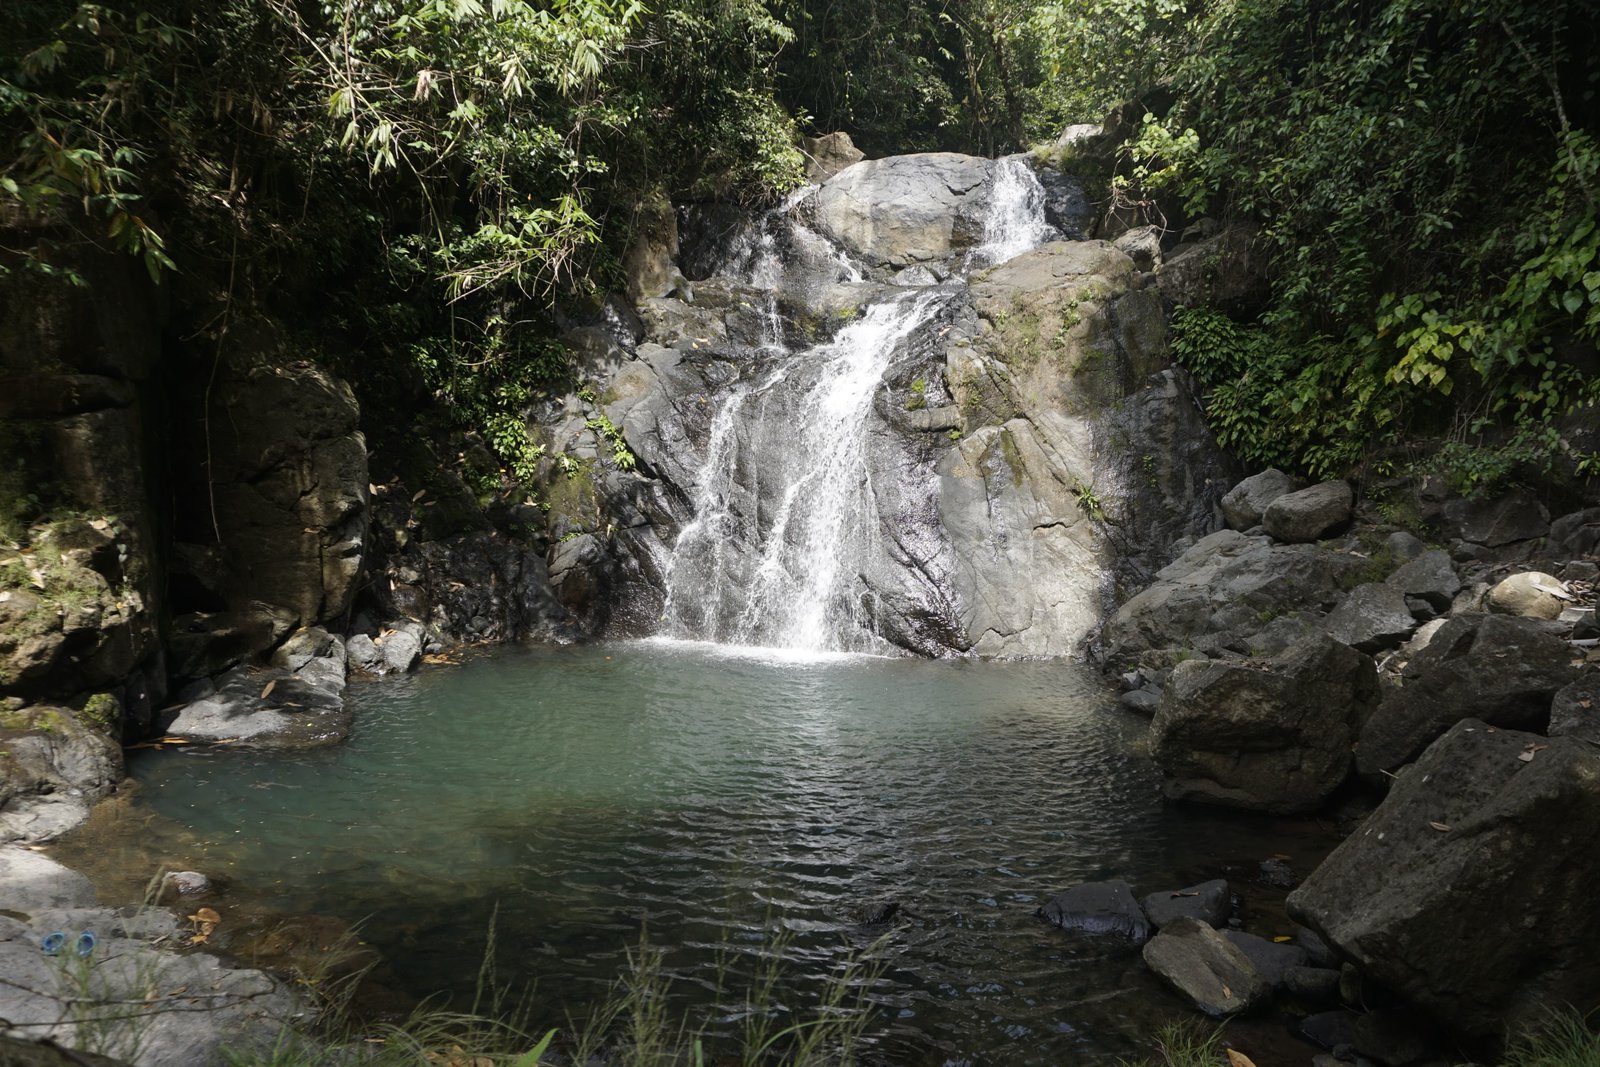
(1184, 1044)
(1426, 274)
(1275, 401)
(1560, 1039)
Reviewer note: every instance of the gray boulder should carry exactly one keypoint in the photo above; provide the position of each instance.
(1244, 504)
(1310, 514)
(54, 764)
(1530, 594)
(1577, 534)
(1429, 577)
(828, 155)
(1105, 909)
(1223, 592)
(402, 650)
(1499, 669)
(1495, 522)
(1141, 244)
(1215, 976)
(1208, 902)
(1228, 270)
(1470, 890)
(1374, 617)
(904, 209)
(1271, 736)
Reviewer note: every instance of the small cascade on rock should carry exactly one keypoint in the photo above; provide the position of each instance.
(1015, 221)
(791, 528)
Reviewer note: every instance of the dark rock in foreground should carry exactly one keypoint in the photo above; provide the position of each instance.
(1100, 908)
(1470, 890)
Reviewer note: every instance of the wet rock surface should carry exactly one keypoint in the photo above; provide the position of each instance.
(148, 1004)
(1099, 909)
(1205, 967)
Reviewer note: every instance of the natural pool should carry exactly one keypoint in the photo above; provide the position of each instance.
(717, 798)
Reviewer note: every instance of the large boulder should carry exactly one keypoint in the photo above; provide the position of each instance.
(1429, 579)
(288, 487)
(1470, 891)
(1576, 709)
(905, 209)
(1245, 503)
(1227, 270)
(1310, 514)
(1491, 667)
(1271, 736)
(1222, 593)
(1215, 976)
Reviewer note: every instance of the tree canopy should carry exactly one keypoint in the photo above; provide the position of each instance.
(431, 181)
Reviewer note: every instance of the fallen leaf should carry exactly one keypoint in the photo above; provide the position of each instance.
(265, 693)
(418, 495)
(1527, 754)
(98, 524)
(1585, 703)
(1226, 991)
(1282, 939)
(1239, 1059)
(1439, 826)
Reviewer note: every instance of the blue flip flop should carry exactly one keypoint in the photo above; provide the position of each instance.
(52, 943)
(85, 943)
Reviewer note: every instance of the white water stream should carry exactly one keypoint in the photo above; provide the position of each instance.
(785, 521)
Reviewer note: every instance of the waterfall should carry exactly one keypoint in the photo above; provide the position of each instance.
(785, 524)
(1015, 220)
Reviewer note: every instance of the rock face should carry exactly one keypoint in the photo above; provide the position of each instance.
(904, 209)
(1069, 425)
(1272, 736)
(1244, 504)
(1467, 891)
(1309, 514)
(290, 482)
(1503, 670)
(1205, 967)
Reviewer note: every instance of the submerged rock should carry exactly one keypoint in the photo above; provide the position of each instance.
(1208, 901)
(1106, 909)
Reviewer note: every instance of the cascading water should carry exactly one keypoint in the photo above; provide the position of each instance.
(785, 523)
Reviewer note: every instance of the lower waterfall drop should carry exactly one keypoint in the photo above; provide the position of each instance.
(785, 525)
